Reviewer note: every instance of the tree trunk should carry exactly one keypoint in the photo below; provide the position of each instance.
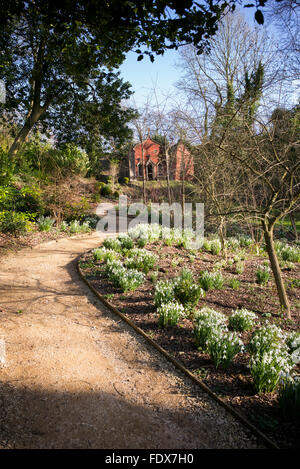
(114, 167)
(283, 298)
(182, 199)
(20, 138)
(182, 186)
(168, 178)
(36, 109)
(26, 129)
(293, 223)
(144, 176)
(222, 235)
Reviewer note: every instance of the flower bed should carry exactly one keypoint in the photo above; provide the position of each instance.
(212, 331)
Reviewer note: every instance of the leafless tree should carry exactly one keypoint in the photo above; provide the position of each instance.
(267, 157)
(212, 80)
(247, 163)
(141, 126)
(285, 17)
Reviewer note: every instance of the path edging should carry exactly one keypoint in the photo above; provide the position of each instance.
(269, 443)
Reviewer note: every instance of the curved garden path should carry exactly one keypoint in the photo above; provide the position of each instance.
(78, 377)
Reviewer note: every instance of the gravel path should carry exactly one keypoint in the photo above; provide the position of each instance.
(78, 377)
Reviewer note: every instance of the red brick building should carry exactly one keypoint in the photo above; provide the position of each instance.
(180, 161)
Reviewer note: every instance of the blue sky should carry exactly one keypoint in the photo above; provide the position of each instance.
(162, 73)
(145, 75)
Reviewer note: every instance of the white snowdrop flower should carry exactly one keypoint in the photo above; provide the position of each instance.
(295, 356)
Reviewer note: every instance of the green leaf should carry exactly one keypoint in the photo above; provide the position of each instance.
(259, 17)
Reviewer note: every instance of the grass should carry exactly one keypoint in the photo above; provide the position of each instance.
(287, 223)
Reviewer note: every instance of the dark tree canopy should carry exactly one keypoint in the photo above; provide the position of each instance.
(54, 53)
(157, 24)
(92, 123)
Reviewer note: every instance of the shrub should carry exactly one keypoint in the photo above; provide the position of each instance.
(96, 197)
(106, 190)
(45, 223)
(211, 280)
(188, 295)
(242, 320)
(77, 210)
(186, 291)
(182, 288)
(206, 322)
(7, 168)
(65, 160)
(26, 199)
(170, 313)
(223, 347)
(29, 199)
(14, 222)
(263, 275)
(7, 195)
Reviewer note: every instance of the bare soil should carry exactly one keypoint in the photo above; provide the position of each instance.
(11, 244)
(77, 377)
(233, 385)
